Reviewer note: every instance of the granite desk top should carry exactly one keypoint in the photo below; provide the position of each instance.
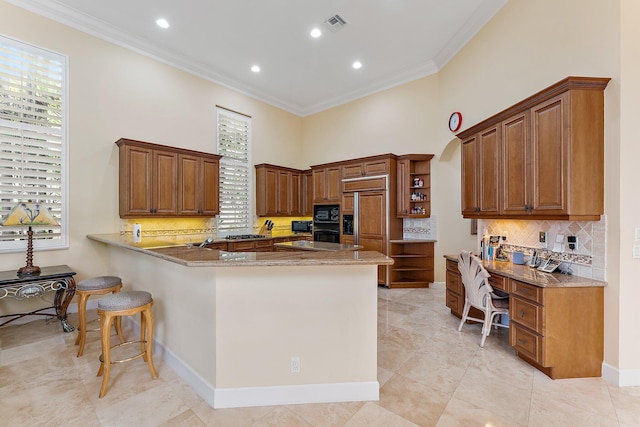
(535, 277)
(306, 245)
(204, 257)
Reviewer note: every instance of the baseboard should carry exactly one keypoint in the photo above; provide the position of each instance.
(295, 394)
(621, 378)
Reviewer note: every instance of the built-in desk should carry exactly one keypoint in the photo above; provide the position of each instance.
(58, 278)
(556, 320)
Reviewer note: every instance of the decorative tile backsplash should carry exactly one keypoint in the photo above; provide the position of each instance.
(419, 228)
(588, 259)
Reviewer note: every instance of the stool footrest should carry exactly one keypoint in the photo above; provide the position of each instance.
(137, 356)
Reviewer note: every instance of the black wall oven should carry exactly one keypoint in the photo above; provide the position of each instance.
(326, 223)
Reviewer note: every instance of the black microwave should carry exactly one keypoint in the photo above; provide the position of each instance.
(326, 213)
(301, 226)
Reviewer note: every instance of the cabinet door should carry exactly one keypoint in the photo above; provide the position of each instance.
(403, 193)
(210, 189)
(346, 207)
(516, 160)
(295, 194)
(376, 167)
(548, 162)
(332, 184)
(283, 192)
(469, 193)
(488, 178)
(269, 196)
(165, 182)
(372, 216)
(319, 188)
(355, 170)
(307, 193)
(136, 197)
(188, 176)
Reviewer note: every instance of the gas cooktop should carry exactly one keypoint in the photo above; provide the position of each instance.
(246, 236)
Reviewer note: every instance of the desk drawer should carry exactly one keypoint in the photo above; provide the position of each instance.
(452, 266)
(526, 342)
(499, 282)
(455, 302)
(454, 283)
(527, 291)
(526, 313)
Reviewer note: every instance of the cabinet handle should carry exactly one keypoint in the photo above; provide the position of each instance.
(521, 341)
(522, 314)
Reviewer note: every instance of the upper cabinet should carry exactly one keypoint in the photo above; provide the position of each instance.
(279, 191)
(370, 166)
(198, 185)
(161, 181)
(481, 173)
(413, 196)
(326, 184)
(542, 158)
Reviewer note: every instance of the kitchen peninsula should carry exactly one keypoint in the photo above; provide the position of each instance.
(231, 323)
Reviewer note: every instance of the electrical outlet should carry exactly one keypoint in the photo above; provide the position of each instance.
(543, 239)
(295, 365)
(573, 242)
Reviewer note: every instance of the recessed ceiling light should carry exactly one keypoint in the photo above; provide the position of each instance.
(255, 69)
(357, 65)
(315, 33)
(162, 23)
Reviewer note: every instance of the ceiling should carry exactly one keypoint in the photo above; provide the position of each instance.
(396, 41)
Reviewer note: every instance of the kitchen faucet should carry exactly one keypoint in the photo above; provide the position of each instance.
(206, 242)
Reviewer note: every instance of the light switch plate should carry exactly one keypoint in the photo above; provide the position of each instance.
(636, 251)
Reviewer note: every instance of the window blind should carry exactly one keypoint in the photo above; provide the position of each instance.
(234, 138)
(32, 138)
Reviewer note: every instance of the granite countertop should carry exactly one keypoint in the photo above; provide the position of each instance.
(535, 277)
(204, 257)
(306, 245)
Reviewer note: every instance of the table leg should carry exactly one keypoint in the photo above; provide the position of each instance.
(66, 287)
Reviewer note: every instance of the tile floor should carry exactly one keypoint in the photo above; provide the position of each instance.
(430, 375)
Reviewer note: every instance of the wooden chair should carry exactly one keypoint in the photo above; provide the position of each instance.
(125, 304)
(479, 294)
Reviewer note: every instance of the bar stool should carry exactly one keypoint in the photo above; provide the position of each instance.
(90, 287)
(125, 304)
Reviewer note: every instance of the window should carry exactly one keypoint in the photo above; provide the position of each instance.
(234, 139)
(33, 139)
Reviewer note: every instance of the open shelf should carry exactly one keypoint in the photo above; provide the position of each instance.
(413, 264)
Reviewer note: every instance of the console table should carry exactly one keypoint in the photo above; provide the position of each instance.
(58, 278)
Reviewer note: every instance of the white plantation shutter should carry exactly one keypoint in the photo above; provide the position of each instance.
(234, 137)
(32, 139)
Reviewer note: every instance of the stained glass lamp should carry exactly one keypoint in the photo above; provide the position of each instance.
(29, 214)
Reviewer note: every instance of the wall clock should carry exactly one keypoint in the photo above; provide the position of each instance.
(455, 121)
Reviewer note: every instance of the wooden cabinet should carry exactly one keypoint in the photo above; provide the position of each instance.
(260, 245)
(371, 166)
(198, 185)
(413, 264)
(413, 196)
(154, 181)
(454, 297)
(326, 184)
(543, 157)
(481, 173)
(558, 330)
(278, 191)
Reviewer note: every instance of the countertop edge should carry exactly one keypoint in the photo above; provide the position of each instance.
(563, 280)
(249, 259)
